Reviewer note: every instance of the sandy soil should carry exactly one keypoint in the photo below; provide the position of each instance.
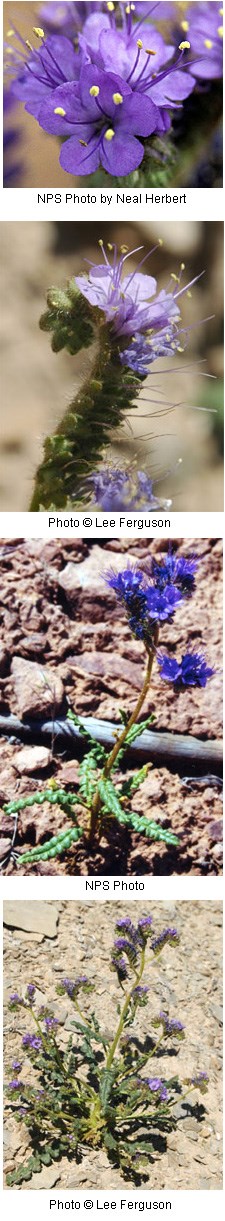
(186, 982)
(56, 611)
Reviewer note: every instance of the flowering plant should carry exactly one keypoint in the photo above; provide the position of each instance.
(149, 600)
(108, 80)
(133, 325)
(96, 1091)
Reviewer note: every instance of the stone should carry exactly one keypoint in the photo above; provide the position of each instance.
(32, 759)
(46, 1178)
(216, 830)
(32, 916)
(4, 847)
(217, 1013)
(38, 690)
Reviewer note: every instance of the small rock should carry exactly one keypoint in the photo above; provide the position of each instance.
(37, 688)
(46, 1178)
(217, 1013)
(3, 659)
(32, 759)
(4, 847)
(32, 916)
(217, 852)
(216, 830)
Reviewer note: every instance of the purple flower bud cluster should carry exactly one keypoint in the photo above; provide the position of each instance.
(191, 671)
(171, 1026)
(144, 602)
(168, 936)
(33, 1042)
(73, 987)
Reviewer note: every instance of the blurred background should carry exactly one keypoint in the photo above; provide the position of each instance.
(38, 385)
(197, 127)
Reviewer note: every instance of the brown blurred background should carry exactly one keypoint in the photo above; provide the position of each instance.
(38, 385)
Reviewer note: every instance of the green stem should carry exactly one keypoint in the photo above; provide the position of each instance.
(138, 977)
(96, 806)
(75, 450)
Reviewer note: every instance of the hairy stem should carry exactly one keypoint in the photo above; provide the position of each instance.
(75, 450)
(122, 737)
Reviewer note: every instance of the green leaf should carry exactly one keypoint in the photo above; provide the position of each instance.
(87, 777)
(109, 797)
(129, 786)
(98, 751)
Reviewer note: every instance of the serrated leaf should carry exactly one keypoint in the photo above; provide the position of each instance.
(87, 777)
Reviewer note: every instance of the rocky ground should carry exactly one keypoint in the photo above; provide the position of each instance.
(65, 643)
(45, 939)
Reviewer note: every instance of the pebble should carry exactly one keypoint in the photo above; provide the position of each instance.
(32, 759)
(32, 916)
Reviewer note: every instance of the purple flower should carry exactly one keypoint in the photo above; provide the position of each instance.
(175, 570)
(161, 604)
(41, 72)
(171, 1025)
(13, 166)
(144, 350)
(156, 1086)
(102, 118)
(51, 1023)
(117, 490)
(66, 17)
(140, 990)
(191, 671)
(203, 27)
(145, 67)
(144, 604)
(200, 1081)
(169, 935)
(72, 987)
(128, 948)
(125, 922)
(144, 924)
(15, 1085)
(33, 1041)
(16, 1065)
(129, 302)
(15, 1000)
(30, 992)
(120, 965)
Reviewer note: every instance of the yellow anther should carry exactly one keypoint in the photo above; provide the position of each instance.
(101, 243)
(184, 46)
(124, 249)
(208, 43)
(10, 34)
(94, 91)
(109, 246)
(185, 26)
(189, 294)
(83, 142)
(182, 267)
(109, 134)
(221, 12)
(180, 349)
(110, 6)
(139, 44)
(127, 9)
(132, 8)
(59, 110)
(173, 346)
(160, 241)
(173, 277)
(168, 338)
(10, 50)
(148, 52)
(38, 31)
(220, 31)
(117, 98)
(29, 45)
